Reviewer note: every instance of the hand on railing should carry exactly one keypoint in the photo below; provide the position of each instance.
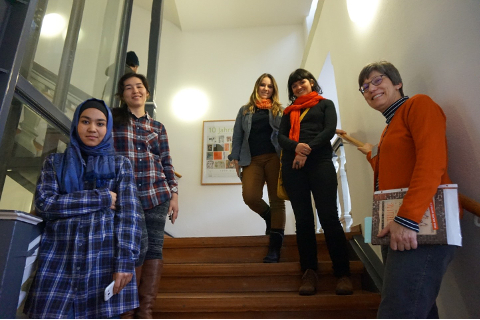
(343, 134)
(467, 203)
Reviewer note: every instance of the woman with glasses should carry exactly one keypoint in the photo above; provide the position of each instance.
(306, 129)
(255, 151)
(412, 153)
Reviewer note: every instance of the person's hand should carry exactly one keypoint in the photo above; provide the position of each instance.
(367, 147)
(299, 161)
(121, 280)
(303, 149)
(401, 238)
(114, 200)
(237, 167)
(173, 208)
(340, 132)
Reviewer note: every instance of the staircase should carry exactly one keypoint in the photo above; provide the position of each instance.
(224, 277)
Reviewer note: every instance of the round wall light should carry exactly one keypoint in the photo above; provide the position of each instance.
(362, 11)
(53, 25)
(190, 104)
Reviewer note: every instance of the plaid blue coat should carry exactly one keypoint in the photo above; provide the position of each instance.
(83, 245)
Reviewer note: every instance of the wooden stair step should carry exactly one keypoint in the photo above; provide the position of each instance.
(240, 241)
(280, 302)
(242, 269)
(246, 249)
(252, 277)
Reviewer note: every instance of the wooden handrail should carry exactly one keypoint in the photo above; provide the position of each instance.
(467, 203)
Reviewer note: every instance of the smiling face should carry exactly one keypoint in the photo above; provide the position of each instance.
(382, 96)
(302, 87)
(134, 93)
(92, 127)
(265, 88)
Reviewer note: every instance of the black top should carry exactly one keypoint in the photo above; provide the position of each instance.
(316, 129)
(260, 141)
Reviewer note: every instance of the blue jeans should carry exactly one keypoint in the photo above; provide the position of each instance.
(412, 280)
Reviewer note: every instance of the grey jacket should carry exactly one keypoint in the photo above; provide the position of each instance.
(241, 133)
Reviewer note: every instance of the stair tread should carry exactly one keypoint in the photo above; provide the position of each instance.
(243, 241)
(242, 269)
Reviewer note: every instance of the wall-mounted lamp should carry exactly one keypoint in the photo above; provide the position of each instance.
(190, 104)
(53, 25)
(362, 11)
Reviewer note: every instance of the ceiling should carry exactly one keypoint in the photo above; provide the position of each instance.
(199, 15)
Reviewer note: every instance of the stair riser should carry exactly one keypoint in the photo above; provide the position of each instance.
(233, 255)
(248, 284)
(235, 303)
(324, 314)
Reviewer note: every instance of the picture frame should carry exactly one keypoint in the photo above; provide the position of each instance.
(216, 146)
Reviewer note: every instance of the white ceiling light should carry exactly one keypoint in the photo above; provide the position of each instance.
(362, 11)
(53, 24)
(190, 104)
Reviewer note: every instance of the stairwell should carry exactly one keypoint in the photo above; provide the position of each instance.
(224, 277)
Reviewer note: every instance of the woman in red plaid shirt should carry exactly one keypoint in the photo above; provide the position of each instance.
(144, 141)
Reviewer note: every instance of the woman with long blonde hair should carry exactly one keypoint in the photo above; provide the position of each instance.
(255, 153)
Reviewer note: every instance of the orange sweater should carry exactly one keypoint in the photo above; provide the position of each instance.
(413, 154)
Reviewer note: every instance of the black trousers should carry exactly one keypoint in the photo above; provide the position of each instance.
(317, 177)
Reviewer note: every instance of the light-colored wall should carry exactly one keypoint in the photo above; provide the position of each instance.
(224, 64)
(435, 44)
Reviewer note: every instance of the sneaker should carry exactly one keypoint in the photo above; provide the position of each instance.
(309, 283)
(344, 286)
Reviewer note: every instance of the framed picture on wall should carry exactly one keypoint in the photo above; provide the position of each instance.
(217, 145)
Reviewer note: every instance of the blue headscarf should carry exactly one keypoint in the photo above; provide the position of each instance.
(100, 164)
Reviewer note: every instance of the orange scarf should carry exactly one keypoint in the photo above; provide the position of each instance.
(264, 104)
(303, 102)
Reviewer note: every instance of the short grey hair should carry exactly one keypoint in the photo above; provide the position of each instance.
(384, 67)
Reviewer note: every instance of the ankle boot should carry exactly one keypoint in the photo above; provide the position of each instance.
(267, 216)
(148, 289)
(344, 286)
(131, 313)
(309, 283)
(276, 241)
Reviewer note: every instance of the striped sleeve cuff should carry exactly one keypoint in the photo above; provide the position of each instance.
(407, 223)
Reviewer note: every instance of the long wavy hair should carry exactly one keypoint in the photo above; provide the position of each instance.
(276, 105)
(120, 115)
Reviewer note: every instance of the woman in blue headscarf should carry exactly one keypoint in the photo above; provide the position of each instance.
(87, 197)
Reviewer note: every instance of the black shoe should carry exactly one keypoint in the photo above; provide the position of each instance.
(276, 241)
(267, 216)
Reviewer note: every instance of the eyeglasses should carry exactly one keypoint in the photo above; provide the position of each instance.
(375, 81)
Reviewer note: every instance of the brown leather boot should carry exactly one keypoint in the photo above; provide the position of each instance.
(148, 288)
(309, 284)
(344, 286)
(131, 313)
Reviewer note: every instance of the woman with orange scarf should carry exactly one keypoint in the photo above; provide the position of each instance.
(307, 168)
(255, 153)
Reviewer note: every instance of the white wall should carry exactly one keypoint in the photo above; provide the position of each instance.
(435, 44)
(224, 64)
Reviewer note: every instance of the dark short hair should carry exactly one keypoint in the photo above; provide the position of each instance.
(298, 75)
(384, 67)
(132, 59)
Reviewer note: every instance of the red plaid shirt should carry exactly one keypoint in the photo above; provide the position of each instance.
(144, 141)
